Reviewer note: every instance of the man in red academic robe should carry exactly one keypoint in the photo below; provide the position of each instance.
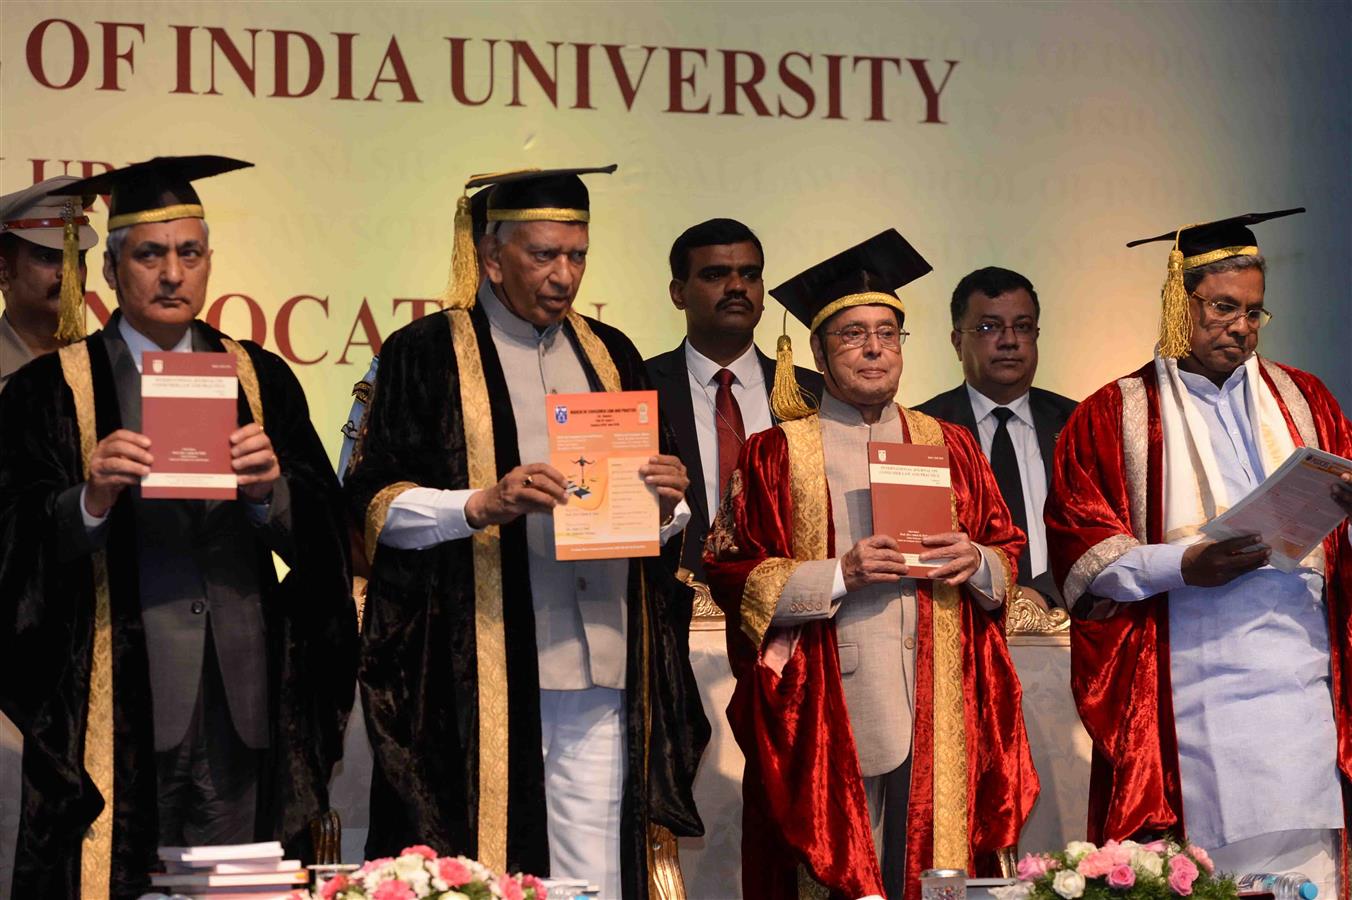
(1215, 686)
(879, 714)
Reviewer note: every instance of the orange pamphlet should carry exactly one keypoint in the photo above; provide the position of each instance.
(599, 441)
(912, 497)
(189, 410)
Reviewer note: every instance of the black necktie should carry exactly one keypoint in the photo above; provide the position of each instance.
(1005, 465)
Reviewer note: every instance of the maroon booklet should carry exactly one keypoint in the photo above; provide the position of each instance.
(912, 497)
(188, 410)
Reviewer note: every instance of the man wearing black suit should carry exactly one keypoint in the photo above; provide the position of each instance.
(995, 329)
(714, 388)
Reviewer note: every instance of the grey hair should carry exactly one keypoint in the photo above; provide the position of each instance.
(1194, 277)
(112, 245)
(502, 231)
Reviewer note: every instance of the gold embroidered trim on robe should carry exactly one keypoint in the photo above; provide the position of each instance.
(378, 510)
(248, 378)
(596, 352)
(760, 596)
(96, 852)
(951, 844)
(1092, 562)
(489, 640)
(1135, 458)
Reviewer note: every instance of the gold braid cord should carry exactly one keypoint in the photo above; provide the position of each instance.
(96, 853)
(951, 842)
(665, 881)
(248, 378)
(489, 639)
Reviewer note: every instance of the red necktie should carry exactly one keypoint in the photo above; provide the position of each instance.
(731, 432)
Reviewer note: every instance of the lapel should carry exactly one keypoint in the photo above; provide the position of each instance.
(672, 380)
(961, 408)
(126, 379)
(1047, 425)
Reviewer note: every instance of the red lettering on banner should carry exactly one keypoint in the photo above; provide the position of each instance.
(182, 58)
(368, 327)
(677, 80)
(79, 46)
(345, 40)
(522, 52)
(458, 70)
(628, 87)
(876, 111)
(86, 168)
(282, 328)
(798, 85)
(281, 43)
(111, 55)
(927, 85)
(220, 39)
(598, 307)
(258, 322)
(395, 59)
(422, 306)
(583, 69)
(94, 303)
(833, 110)
(731, 83)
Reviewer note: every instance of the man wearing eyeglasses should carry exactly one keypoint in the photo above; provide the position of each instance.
(995, 329)
(1217, 689)
(868, 703)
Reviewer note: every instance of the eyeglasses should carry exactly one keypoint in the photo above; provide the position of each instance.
(991, 331)
(890, 336)
(1223, 312)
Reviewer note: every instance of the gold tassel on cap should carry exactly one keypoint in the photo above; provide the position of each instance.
(786, 398)
(1175, 316)
(463, 285)
(70, 322)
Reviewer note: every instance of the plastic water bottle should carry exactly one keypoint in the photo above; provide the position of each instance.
(1282, 886)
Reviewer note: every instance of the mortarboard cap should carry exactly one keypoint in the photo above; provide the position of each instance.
(527, 195)
(1196, 246)
(867, 274)
(158, 190)
(51, 214)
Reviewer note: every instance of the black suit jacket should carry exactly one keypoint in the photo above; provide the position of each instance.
(672, 380)
(1050, 412)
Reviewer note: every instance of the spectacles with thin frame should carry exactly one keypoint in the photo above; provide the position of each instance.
(991, 331)
(1223, 312)
(889, 336)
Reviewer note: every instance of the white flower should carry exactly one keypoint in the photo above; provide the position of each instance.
(454, 895)
(1017, 891)
(1147, 863)
(1068, 883)
(1078, 850)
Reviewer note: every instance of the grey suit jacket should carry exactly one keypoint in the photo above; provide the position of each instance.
(197, 565)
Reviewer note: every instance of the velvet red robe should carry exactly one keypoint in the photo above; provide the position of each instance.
(1106, 496)
(803, 792)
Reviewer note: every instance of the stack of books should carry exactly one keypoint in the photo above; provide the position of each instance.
(230, 872)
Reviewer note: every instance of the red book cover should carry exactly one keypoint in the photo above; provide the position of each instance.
(188, 410)
(912, 492)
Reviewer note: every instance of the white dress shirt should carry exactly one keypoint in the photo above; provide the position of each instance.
(1032, 473)
(748, 389)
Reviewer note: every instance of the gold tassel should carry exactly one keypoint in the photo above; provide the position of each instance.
(786, 398)
(70, 320)
(463, 285)
(1175, 316)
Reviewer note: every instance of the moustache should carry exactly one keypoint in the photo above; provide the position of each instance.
(729, 299)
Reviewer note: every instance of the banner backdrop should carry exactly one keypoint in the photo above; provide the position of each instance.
(1040, 137)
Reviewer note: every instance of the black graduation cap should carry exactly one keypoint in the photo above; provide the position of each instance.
(867, 273)
(157, 190)
(539, 195)
(1209, 237)
(1196, 246)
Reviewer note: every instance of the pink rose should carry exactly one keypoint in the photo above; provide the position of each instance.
(1155, 846)
(422, 850)
(1032, 866)
(1096, 864)
(1117, 854)
(1182, 873)
(1121, 877)
(452, 871)
(373, 864)
(333, 886)
(511, 888)
(1202, 858)
(393, 890)
(531, 883)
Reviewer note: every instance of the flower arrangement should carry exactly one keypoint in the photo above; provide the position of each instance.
(418, 872)
(1159, 870)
